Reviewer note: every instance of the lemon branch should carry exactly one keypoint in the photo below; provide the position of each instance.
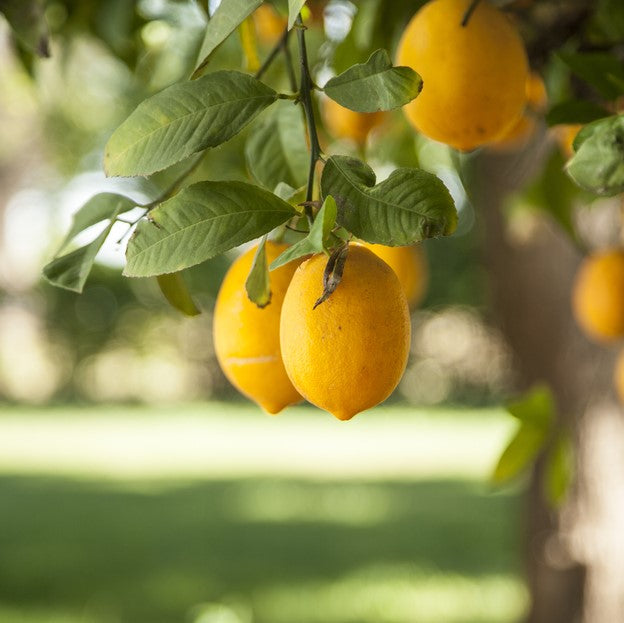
(305, 90)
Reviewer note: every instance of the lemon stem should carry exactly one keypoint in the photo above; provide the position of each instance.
(469, 12)
(306, 86)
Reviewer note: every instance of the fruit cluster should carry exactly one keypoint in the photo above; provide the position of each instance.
(344, 355)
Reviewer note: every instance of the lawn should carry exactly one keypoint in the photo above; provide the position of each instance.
(217, 514)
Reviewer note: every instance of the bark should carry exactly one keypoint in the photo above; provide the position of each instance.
(574, 557)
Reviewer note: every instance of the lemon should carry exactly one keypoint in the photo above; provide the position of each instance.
(598, 296)
(344, 123)
(474, 76)
(246, 338)
(349, 353)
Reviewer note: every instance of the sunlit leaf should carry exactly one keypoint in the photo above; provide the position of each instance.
(536, 408)
(559, 470)
(276, 149)
(70, 271)
(201, 221)
(374, 85)
(520, 453)
(175, 290)
(409, 206)
(228, 16)
(98, 208)
(315, 241)
(184, 119)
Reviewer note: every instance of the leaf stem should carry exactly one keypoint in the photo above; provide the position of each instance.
(166, 194)
(306, 86)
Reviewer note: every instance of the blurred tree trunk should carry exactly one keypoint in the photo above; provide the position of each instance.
(574, 557)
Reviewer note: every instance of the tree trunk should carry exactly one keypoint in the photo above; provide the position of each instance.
(575, 557)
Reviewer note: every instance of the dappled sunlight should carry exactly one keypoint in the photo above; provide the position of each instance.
(283, 501)
(402, 594)
(218, 440)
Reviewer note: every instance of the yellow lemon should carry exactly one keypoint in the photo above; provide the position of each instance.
(342, 122)
(409, 265)
(349, 353)
(246, 338)
(598, 297)
(474, 76)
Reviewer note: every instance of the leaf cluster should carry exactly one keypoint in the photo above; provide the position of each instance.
(193, 224)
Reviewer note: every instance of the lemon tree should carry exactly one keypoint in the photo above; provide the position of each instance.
(242, 152)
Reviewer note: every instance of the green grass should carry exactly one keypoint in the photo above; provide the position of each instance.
(264, 548)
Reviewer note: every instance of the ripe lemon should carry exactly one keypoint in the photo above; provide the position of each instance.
(598, 296)
(409, 265)
(342, 122)
(350, 352)
(246, 338)
(474, 76)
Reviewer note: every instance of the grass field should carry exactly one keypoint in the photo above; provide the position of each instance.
(217, 514)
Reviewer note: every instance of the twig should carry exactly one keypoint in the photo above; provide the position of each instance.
(306, 87)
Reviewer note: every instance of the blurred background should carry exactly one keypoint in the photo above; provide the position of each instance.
(135, 484)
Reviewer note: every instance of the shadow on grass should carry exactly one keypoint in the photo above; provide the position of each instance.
(151, 550)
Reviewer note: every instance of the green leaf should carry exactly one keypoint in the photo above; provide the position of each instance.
(559, 470)
(520, 453)
(276, 149)
(258, 285)
(175, 290)
(409, 206)
(598, 164)
(184, 119)
(536, 408)
(228, 16)
(294, 7)
(316, 240)
(374, 85)
(201, 221)
(601, 70)
(26, 18)
(98, 208)
(536, 413)
(70, 271)
(575, 111)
